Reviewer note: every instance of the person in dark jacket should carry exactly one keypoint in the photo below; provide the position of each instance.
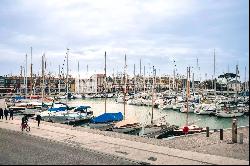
(38, 118)
(1, 113)
(24, 121)
(6, 113)
(11, 113)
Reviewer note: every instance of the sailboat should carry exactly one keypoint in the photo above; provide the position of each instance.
(78, 95)
(231, 110)
(188, 128)
(158, 127)
(127, 125)
(106, 120)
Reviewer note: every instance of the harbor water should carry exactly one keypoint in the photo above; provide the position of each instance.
(143, 114)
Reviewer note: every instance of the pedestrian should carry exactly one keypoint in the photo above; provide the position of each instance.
(38, 118)
(24, 121)
(11, 113)
(1, 113)
(6, 113)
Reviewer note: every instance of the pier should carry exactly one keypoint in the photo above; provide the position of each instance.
(196, 149)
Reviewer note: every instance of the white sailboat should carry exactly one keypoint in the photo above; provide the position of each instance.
(127, 125)
(78, 95)
(205, 109)
(227, 113)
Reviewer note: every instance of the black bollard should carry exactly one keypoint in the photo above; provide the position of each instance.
(234, 131)
(221, 134)
(207, 130)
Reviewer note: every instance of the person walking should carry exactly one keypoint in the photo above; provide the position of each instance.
(11, 113)
(38, 118)
(6, 113)
(24, 122)
(1, 113)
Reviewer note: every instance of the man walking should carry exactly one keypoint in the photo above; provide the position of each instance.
(6, 112)
(38, 118)
(1, 113)
(11, 114)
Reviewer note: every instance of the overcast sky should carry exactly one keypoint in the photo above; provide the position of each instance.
(162, 33)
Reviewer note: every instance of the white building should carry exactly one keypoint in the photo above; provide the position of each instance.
(245, 86)
(95, 84)
(234, 85)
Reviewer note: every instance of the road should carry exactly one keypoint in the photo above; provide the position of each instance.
(18, 148)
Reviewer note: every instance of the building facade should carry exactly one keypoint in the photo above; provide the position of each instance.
(234, 85)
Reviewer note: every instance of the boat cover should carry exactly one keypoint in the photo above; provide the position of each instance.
(82, 108)
(107, 117)
(19, 97)
(57, 109)
(130, 121)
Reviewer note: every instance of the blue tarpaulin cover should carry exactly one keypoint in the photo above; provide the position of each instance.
(107, 117)
(19, 97)
(82, 108)
(57, 109)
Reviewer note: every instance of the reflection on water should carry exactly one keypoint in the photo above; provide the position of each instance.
(143, 114)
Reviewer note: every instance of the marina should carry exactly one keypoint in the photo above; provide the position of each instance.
(150, 82)
(166, 122)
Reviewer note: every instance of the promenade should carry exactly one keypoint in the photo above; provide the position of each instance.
(141, 152)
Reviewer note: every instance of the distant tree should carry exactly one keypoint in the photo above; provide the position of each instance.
(109, 79)
(208, 84)
(228, 76)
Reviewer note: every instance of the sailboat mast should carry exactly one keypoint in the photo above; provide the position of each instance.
(31, 79)
(23, 79)
(214, 77)
(78, 79)
(193, 83)
(245, 80)
(20, 77)
(26, 80)
(59, 84)
(237, 72)
(67, 76)
(174, 81)
(140, 68)
(134, 79)
(169, 85)
(153, 84)
(140, 85)
(105, 82)
(125, 88)
(43, 76)
(188, 92)
(144, 79)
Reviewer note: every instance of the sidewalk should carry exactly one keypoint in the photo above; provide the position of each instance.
(138, 151)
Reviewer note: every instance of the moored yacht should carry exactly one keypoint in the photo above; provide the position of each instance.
(205, 109)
